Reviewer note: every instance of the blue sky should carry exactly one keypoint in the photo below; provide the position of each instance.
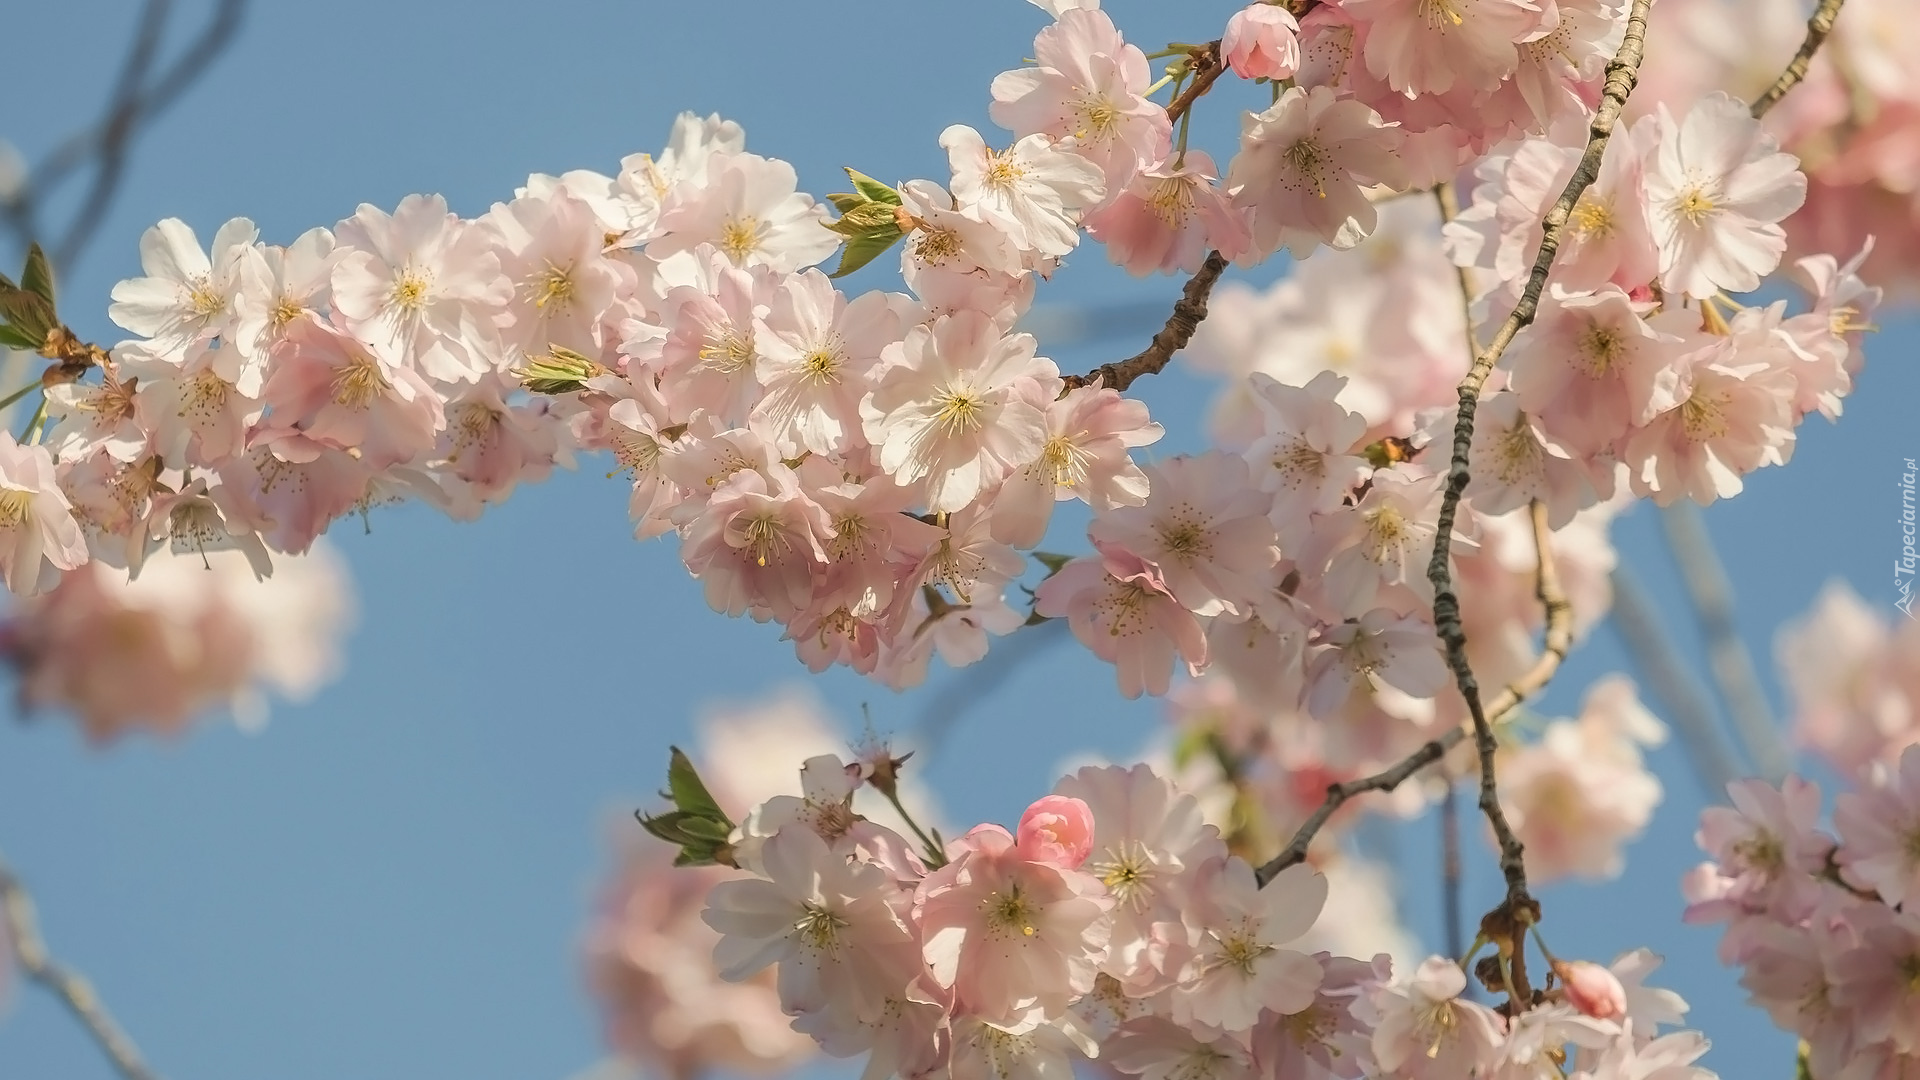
(390, 880)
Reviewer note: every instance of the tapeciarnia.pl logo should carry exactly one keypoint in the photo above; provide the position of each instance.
(1903, 567)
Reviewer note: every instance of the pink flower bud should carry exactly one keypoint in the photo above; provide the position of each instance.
(1057, 831)
(1593, 989)
(1261, 42)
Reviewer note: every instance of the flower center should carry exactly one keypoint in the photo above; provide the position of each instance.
(1600, 348)
(1695, 205)
(1440, 14)
(554, 285)
(1703, 417)
(1010, 911)
(1002, 172)
(1310, 161)
(1171, 200)
(1593, 218)
(961, 411)
(410, 291)
(358, 382)
(740, 237)
(206, 302)
(16, 507)
(818, 927)
(822, 365)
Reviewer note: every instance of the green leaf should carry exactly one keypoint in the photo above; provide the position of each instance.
(689, 793)
(1053, 562)
(845, 201)
(37, 278)
(668, 826)
(13, 337)
(873, 189)
(706, 829)
(865, 218)
(863, 249)
(28, 313)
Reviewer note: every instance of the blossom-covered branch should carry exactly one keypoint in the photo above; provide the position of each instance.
(1557, 642)
(1620, 79)
(74, 991)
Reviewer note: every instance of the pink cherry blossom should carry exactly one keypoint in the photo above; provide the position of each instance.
(1056, 830)
(564, 287)
(1718, 187)
(1307, 453)
(38, 534)
(1427, 46)
(948, 415)
(1261, 42)
(1241, 965)
(1880, 833)
(1089, 431)
(1032, 191)
(1086, 91)
(343, 393)
(1119, 607)
(422, 285)
(835, 928)
(1591, 369)
(1592, 989)
(1168, 216)
(1425, 1030)
(750, 210)
(279, 285)
(1734, 416)
(815, 350)
(1149, 840)
(1205, 529)
(1302, 168)
(186, 296)
(1015, 940)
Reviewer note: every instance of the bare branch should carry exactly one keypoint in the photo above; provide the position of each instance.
(1818, 27)
(1188, 312)
(73, 990)
(1451, 926)
(1622, 74)
(139, 95)
(1681, 699)
(1727, 655)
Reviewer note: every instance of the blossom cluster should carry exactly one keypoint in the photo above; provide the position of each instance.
(1854, 679)
(188, 635)
(1112, 924)
(1853, 121)
(1825, 928)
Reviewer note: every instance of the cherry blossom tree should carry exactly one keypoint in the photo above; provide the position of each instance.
(1528, 236)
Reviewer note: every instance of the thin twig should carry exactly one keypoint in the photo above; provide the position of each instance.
(1818, 27)
(1207, 67)
(1453, 929)
(73, 990)
(140, 94)
(1681, 698)
(1622, 74)
(1186, 318)
(1734, 671)
(1339, 795)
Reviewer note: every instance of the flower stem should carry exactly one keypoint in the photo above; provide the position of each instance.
(935, 857)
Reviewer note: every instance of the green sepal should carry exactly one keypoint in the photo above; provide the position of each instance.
(28, 313)
(873, 189)
(689, 792)
(13, 337)
(37, 278)
(863, 249)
